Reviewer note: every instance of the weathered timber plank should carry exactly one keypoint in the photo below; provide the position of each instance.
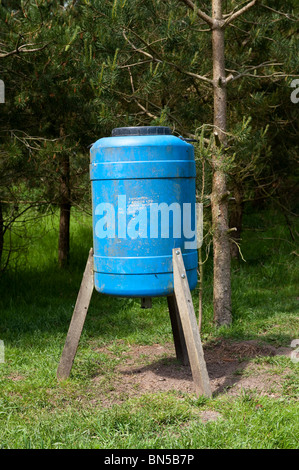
(77, 322)
(189, 325)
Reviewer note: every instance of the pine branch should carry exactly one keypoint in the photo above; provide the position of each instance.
(159, 60)
(201, 14)
(232, 78)
(136, 63)
(238, 13)
(135, 99)
(286, 15)
(22, 49)
(130, 98)
(152, 116)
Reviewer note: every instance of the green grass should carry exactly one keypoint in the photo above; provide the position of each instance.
(36, 303)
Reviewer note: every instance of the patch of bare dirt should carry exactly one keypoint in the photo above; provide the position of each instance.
(15, 377)
(154, 368)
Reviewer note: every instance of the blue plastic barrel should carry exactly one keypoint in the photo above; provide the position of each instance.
(143, 198)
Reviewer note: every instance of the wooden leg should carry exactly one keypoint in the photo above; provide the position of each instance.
(77, 322)
(177, 331)
(146, 302)
(190, 328)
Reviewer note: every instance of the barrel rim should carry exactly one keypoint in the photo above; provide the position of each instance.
(140, 130)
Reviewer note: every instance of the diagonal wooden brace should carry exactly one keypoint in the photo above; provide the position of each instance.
(77, 322)
(189, 325)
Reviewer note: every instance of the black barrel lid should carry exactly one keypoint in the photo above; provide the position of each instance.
(141, 130)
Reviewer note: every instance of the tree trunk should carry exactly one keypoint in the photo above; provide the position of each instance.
(219, 197)
(235, 221)
(65, 213)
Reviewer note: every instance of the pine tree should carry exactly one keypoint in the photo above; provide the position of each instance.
(171, 61)
(51, 111)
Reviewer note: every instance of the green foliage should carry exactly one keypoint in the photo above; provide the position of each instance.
(99, 65)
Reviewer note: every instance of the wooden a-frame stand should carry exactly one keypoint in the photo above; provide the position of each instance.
(185, 330)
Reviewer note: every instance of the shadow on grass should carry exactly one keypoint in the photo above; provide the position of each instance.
(44, 301)
(155, 368)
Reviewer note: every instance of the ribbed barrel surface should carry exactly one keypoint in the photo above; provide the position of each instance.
(143, 197)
